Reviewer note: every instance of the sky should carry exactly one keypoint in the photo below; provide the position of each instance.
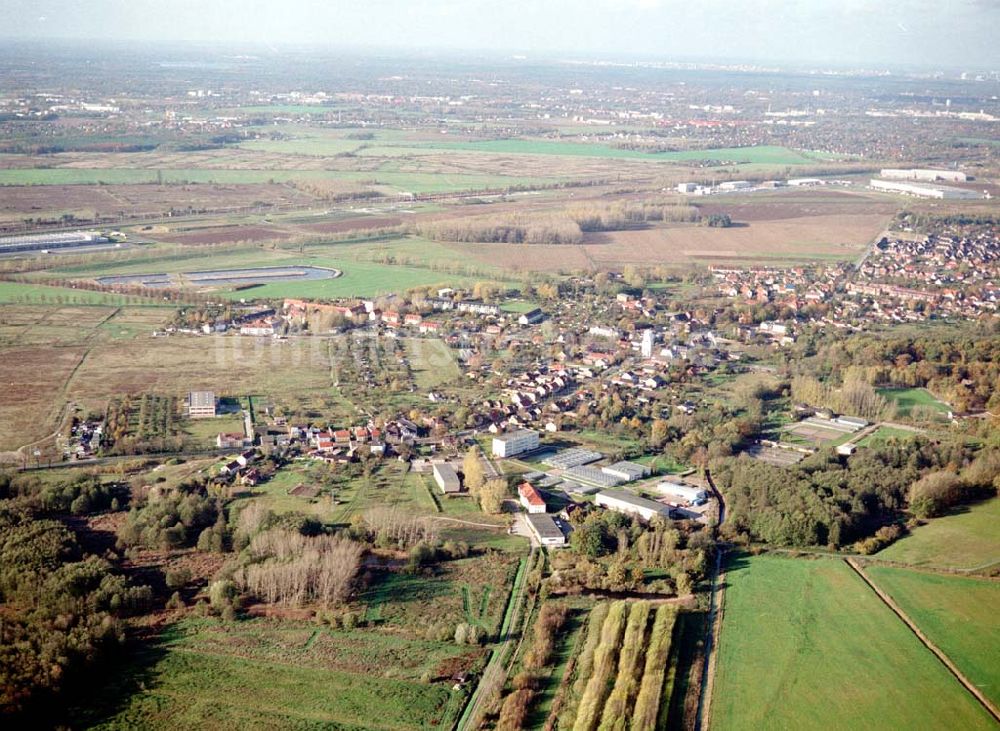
(846, 33)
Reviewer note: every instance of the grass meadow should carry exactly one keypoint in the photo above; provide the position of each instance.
(432, 362)
(884, 434)
(391, 181)
(957, 614)
(806, 644)
(25, 293)
(966, 538)
(906, 398)
(258, 674)
(361, 276)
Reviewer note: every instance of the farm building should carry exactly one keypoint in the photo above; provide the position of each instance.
(530, 499)
(446, 478)
(515, 442)
(546, 530)
(201, 404)
(690, 493)
(631, 504)
(626, 471)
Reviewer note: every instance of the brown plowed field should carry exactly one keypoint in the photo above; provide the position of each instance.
(797, 239)
(31, 380)
(227, 235)
(351, 224)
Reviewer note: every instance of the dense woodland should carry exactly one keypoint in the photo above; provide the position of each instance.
(835, 501)
(565, 227)
(961, 365)
(60, 608)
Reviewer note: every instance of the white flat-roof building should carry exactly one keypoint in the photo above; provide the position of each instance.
(735, 185)
(855, 422)
(515, 442)
(646, 346)
(592, 476)
(689, 493)
(201, 404)
(631, 504)
(922, 191)
(446, 478)
(546, 530)
(626, 471)
(926, 174)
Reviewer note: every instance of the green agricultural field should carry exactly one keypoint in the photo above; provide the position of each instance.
(806, 644)
(258, 674)
(967, 538)
(761, 154)
(907, 398)
(518, 307)
(393, 181)
(957, 614)
(360, 279)
(204, 431)
(19, 292)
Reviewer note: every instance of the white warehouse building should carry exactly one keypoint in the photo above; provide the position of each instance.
(925, 174)
(446, 478)
(515, 442)
(631, 504)
(922, 191)
(690, 493)
(546, 530)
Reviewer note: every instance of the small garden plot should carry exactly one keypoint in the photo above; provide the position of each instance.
(432, 606)
(144, 423)
(775, 455)
(305, 491)
(819, 433)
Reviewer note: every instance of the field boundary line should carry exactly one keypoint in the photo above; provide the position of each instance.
(945, 660)
(495, 673)
(716, 609)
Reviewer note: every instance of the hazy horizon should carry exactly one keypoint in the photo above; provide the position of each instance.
(851, 33)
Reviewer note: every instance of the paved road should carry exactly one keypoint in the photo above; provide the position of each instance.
(869, 249)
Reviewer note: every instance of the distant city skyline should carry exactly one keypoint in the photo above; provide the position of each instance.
(845, 33)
